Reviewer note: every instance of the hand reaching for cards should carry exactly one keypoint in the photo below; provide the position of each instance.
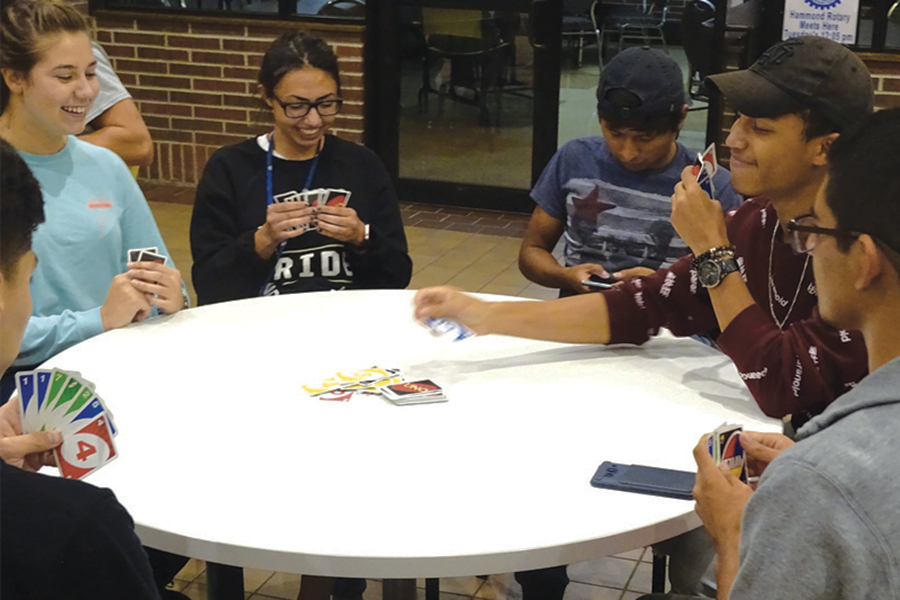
(760, 449)
(124, 304)
(341, 223)
(697, 218)
(28, 452)
(449, 303)
(160, 283)
(720, 499)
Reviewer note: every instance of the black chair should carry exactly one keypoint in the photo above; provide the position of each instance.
(644, 23)
(580, 22)
(697, 34)
(479, 59)
(343, 8)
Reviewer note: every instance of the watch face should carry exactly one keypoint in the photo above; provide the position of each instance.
(709, 273)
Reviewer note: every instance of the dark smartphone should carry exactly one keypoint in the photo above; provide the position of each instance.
(641, 479)
(602, 283)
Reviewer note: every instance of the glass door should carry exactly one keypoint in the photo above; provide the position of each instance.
(463, 99)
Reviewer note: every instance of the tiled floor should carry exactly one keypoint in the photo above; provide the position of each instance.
(476, 251)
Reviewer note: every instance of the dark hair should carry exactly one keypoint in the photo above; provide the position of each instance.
(295, 50)
(863, 188)
(622, 98)
(23, 25)
(21, 208)
(815, 125)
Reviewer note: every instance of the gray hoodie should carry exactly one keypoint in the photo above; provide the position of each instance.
(825, 519)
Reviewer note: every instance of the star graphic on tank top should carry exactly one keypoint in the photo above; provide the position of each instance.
(587, 209)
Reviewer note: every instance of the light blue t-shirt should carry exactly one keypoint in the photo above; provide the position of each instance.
(94, 213)
(614, 217)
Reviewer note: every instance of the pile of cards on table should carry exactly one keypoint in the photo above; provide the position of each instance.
(146, 255)
(56, 400)
(725, 446)
(315, 198)
(387, 382)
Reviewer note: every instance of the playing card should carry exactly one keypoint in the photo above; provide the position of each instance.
(134, 253)
(444, 328)
(26, 387)
(344, 379)
(422, 387)
(86, 450)
(336, 197)
(730, 450)
(147, 256)
(74, 394)
(286, 197)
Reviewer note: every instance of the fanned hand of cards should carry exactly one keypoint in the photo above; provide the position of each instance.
(315, 198)
(725, 447)
(56, 400)
(388, 382)
(704, 169)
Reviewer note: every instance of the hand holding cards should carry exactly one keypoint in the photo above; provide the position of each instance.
(314, 199)
(150, 274)
(62, 401)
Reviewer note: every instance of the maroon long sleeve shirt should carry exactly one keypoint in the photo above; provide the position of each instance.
(798, 369)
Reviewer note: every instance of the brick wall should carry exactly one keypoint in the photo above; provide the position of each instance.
(885, 70)
(194, 81)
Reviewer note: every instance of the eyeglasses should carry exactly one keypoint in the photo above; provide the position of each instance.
(806, 233)
(298, 110)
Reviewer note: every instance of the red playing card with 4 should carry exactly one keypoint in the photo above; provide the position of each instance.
(86, 450)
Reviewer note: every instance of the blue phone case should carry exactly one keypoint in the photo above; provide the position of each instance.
(640, 479)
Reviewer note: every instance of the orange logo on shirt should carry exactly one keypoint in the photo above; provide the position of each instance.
(99, 204)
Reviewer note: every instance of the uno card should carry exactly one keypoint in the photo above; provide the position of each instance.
(134, 253)
(147, 256)
(421, 387)
(337, 197)
(86, 450)
(706, 166)
(72, 397)
(347, 379)
(730, 450)
(26, 386)
(286, 197)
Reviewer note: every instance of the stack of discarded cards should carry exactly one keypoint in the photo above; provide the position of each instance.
(704, 169)
(448, 329)
(725, 447)
(388, 382)
(56, 400)
(146, 255)
(315, 198)
(423, 391)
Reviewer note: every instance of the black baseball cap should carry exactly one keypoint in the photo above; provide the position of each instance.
(651, 76)
(802, 73)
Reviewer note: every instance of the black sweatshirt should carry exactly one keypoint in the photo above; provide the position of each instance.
(68, 539)
(231, 205)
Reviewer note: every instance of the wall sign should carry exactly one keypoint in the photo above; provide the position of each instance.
(832, 19)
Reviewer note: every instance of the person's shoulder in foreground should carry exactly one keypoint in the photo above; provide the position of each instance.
(842, 483)
(61, 539)
(68, 539)
(823, 521)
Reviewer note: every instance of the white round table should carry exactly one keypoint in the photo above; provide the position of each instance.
(223, 457)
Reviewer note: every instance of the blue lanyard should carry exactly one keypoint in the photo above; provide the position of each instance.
(270, 196)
